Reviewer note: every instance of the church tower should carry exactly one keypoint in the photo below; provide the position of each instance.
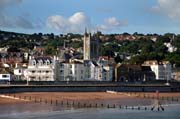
(87, 43)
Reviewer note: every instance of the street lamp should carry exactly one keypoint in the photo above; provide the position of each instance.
(167, 77)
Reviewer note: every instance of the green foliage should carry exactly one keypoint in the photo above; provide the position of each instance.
(50, 50)
(118, 59)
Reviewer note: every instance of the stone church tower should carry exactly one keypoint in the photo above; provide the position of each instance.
(87, 41)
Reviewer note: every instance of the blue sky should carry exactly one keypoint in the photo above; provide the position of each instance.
(108, 16)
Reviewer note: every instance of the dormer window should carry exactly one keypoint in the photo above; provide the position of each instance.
(48, 62)
(40, 62)
(34, 62)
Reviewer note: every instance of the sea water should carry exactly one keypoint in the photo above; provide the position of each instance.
(171, 112)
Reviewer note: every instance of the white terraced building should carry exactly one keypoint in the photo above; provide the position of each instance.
(70, 71)
(162, 69)
(41, 69)
(86, 70)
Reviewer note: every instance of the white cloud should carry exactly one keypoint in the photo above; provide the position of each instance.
(78, 18)
(171, 8)
(75, 23)
(57, 22)
(78, 21)
(112, 23)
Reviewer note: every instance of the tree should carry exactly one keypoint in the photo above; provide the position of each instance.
(50, 50)
(118, 59)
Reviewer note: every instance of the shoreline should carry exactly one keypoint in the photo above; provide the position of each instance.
(99, 97)
(76, 101)
(59, 101)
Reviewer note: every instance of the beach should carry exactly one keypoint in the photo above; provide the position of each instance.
(53, 101)
(132, 98)
(89, 97)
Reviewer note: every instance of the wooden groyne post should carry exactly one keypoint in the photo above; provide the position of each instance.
(157, 104)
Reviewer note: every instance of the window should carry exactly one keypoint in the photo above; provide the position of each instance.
(48, 62)
(34, 63)
(19, 71)
(33, 71)
(40, 62)
(61, 65)
(81, 71)
(70, 66)
(5, 76)
(70, 72)
(61, 71)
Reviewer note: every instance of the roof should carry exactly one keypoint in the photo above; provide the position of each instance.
(72, 62)
(155, 62)
(95, 63)
(4, 71)
(130, 67)
(43, 58)
(146, 68)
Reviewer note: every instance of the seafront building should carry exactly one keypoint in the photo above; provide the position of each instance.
(41, 69)
(162, 70)
(5, 75)
(83, 70)
(19, 71)
(133, 73)
(96, 71)
(70, 71)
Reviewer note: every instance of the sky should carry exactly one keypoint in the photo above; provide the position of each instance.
(107, 16)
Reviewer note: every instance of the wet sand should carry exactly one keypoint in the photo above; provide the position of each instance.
(53, 100)
(125, 98)
(99, 97)
(4, 101)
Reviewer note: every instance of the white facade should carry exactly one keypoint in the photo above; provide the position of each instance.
(70, 71)
(5, 77)
(97, 71)
(162, 70)
(41, 69)
(170, 47)
(108, 74)
(83, 71)
(19, 73)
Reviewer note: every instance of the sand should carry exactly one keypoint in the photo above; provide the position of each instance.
(131, 99)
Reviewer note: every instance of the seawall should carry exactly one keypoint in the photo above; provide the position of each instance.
(85, 88)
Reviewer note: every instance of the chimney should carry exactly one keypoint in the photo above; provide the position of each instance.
(16, 65)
